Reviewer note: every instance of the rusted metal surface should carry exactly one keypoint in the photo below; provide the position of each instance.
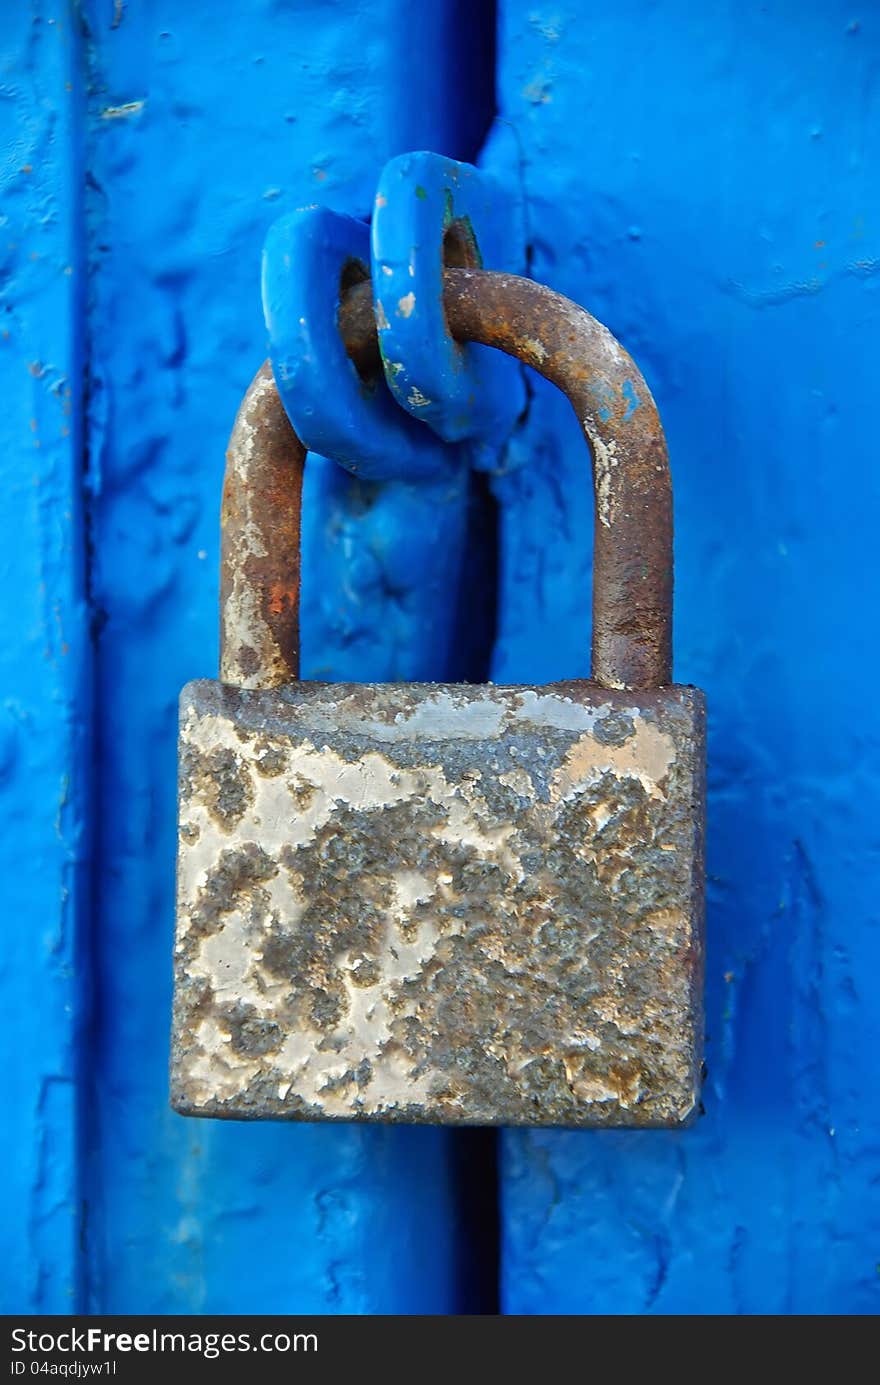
(425, 903)
(432, 903)
(259, 545)
(632, 554)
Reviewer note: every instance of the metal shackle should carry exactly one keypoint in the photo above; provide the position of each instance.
(632, 547)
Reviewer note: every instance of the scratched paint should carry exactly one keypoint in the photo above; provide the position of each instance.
(704, 179)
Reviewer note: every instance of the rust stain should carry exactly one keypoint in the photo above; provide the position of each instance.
(281, 598)
(387, 910)
(632, 562)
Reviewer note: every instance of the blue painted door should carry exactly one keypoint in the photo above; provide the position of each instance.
(703, 180)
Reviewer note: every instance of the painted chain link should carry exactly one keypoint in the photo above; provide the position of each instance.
(428, 209)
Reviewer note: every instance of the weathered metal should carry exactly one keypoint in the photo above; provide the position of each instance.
(259, 543)
(421, 902)
(425, 902)
(632, 547)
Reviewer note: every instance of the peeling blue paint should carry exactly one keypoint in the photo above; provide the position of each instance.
(631, 399)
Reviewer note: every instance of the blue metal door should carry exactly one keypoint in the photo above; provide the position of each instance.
(703, 180)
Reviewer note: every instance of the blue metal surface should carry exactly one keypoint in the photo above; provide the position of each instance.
(704, 180)
(182, 136)
(460, 391)
(407, 551)
(264, 110)
(44, 666)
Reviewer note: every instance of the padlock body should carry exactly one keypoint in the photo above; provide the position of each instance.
(440, 903)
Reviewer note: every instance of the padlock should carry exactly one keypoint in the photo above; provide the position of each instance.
(453, 904)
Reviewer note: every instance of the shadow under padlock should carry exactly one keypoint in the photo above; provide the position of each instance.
(407, 585)
(446, 903)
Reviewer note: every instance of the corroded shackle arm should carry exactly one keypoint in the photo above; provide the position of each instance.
(632, 550)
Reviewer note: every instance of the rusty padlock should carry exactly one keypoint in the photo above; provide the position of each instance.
(446, 903)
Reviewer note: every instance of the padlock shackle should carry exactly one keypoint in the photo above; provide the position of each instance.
(632, 547)
(260, 543)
